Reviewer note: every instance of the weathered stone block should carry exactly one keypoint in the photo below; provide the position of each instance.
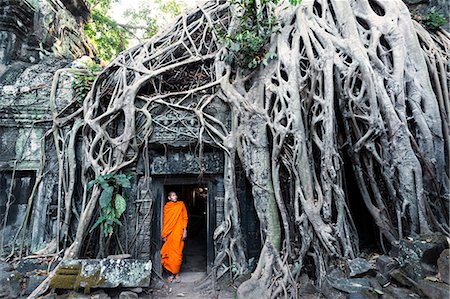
(386, 264)
(402, 278)
(32, 283)
(359, 266)
(128, 295)
(444, 265)
(30, 265)
(350, 285)
(105, 273)
(434, 290)
(395, 292)
(10, 284)
(418, 257)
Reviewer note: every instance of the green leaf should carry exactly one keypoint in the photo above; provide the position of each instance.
(97, 223)
(91, 184)
(116, 221)
(123, 180)
(120, 205)
(235, 47)
(105, 197)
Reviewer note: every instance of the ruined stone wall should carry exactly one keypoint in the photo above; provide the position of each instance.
(30, 31)
(37, 38)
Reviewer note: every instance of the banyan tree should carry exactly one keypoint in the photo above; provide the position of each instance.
(353, 100)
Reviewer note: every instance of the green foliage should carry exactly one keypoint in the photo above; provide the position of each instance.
(110, 38)
(170, 7)
(247, 46)
(142, 16)
(434, 20)
(106, 34)
(112, 204)
(146, 19)
(83, 81)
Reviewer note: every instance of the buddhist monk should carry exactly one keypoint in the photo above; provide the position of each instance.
(173, 234)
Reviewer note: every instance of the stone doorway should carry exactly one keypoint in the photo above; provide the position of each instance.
(195, 197)
(200, 197)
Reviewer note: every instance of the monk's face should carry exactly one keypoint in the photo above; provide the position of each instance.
(173, 196)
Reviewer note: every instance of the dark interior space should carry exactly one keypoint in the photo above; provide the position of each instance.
(365, 226)
(195, 246)
(23, 184)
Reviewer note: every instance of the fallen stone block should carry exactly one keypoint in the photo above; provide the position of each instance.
(394, 292)
(350, 285)
(403, 279)
(434, 290)
(10, 284)
(104, 273)
(418, 257)
(359, 266)
(32, 283)
(443, 264)
(385, 264)
(128, 295)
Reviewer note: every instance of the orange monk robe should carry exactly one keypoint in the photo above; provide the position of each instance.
(175, 220)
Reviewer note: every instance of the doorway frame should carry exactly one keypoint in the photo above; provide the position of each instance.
(158, 184)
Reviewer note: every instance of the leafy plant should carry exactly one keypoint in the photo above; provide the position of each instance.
(110, 38)
(247, 46)
(145, 20)
(106, 34)
(112, 203)
(434, 20)
(83, 81)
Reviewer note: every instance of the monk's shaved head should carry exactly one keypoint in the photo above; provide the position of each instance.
(172, 196)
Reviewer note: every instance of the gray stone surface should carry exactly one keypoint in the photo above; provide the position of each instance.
(100, 294)
(443, 264)
(395, 292)
(350, 285)
(359, 266)
(434, 290)
(418, 257)
(128, 295)
(30, 30)
(185, 163)
(362, 295)
(26, 266)
(32, 283)
(186, 289)
(113, 273)
(402, 278)
(385, 264)
(4, 266)
(24, 118)
(329, 292)
(10, 284)
(382, 280)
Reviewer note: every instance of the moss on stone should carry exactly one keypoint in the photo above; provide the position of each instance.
(69, 277)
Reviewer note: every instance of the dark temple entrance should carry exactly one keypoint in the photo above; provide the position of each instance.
(178, 170)
(199, 196)
(195, 197)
